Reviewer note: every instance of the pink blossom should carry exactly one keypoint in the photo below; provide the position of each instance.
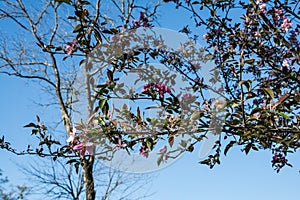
(279, 158)
(279, 11)
(71, 139)
(263, 8)
(163, 150)
(83, 149)
(144, 151)
(186, 96)
(142, 15)
(78, 147)
(257, 34)
(162, 89)
(72, 135)
(277, 18)
(163, 153)
(146, 87)
(278, 14)
(286, 24)
(170, 55)
(135, 23)
(120, 145)
(143, 21)
(285, 63)
(205, 36)
(90, 148)
(71, 47)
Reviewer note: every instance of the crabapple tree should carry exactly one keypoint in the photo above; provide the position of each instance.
(250, 100)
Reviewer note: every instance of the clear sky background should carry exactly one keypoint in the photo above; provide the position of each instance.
(239, 177)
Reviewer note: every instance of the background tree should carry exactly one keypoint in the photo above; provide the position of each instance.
(9, 192)
(51, 30)
(56, 180)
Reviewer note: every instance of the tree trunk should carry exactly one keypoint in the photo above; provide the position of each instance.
(88, 165)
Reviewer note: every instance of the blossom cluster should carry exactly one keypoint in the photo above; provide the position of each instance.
(160, 87)
(279, 16)
(80, 147)
(144, 151)
(186, 97)
(285, 63)
(279, 159)
(285, 23)
(142, 22)
(120, 145)
(263, 8)
(71, 47)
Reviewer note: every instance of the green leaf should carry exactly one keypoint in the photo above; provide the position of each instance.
(286, 116)
(247, 133)
(38, 119)
(58, 48)
(254, 148)
(205, 162)
(246, 83)
(247, 148)
(77, 28)
(171, 141)
(250, 95)
(63, 1)
(250, 61)
(101, 121)
(102, 103)
(190, 148)
(71, 161)
(77, 167)
(106, 31)
(31, 125)
(105, 108)
(196, 115)
(256, 110)
(282, 98)
(269, 92)
(72, 17)
(34, 131)
(231, 143)
(159, 160)
(149, 143)
(234, 105)
(110, 75)
(110, 31)
(85, 2)
(183, 143)
(276, 41)
(98, 37)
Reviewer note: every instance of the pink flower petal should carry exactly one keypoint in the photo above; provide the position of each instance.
(78, 146)
(90, 148)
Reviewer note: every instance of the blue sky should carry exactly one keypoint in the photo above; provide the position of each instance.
(238, 177)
